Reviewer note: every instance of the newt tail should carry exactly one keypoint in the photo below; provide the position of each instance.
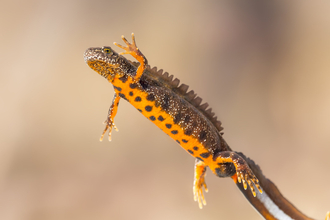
(174, 110)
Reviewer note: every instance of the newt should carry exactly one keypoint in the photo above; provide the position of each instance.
(170, 107)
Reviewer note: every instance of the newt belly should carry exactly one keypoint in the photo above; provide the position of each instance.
(166, 109)
(174, 110)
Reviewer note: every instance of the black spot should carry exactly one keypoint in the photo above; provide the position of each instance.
(117, 88)
(174, 132)
(166, 102)
(195, 148)
(131, 93)
(139, 110)
(152, 118)
(187, 119)
(148, 108)
(122, 96)
(177, 118)
(205, 155)
(160, 118)
(144, 84)
(168, 126)
(188, 132)
(191, 152)
(150, 97)
(202, 135)
(123, 78)
(133, 85)
(194, 124)
(138, 99)
(184, 141)
(199, 158)
(178, 141)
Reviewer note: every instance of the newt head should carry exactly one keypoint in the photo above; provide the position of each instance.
(106, 62)
(111, 65)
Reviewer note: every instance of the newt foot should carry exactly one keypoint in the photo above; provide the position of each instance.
(198, 191)
(199, 183)
(131, 48)
(109, 125)
(246, 176)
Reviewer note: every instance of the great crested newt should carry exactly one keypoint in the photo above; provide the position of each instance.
(173, 109)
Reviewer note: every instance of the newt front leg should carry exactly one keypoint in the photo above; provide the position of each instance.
(132, 49)
(111, 115)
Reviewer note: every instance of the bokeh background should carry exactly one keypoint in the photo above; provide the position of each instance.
(263, 66)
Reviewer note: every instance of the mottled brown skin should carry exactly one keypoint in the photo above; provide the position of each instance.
(178, 113)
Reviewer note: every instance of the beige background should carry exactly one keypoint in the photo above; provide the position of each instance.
(263, 67)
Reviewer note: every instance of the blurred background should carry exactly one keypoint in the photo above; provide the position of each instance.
(263, 66)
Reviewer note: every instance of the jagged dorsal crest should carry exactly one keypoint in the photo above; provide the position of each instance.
(182, 91)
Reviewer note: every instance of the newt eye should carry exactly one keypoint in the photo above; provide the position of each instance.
(106, 50)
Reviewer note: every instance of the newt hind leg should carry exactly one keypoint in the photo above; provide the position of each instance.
(132, 49)
(228, 163)
(199, 183)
